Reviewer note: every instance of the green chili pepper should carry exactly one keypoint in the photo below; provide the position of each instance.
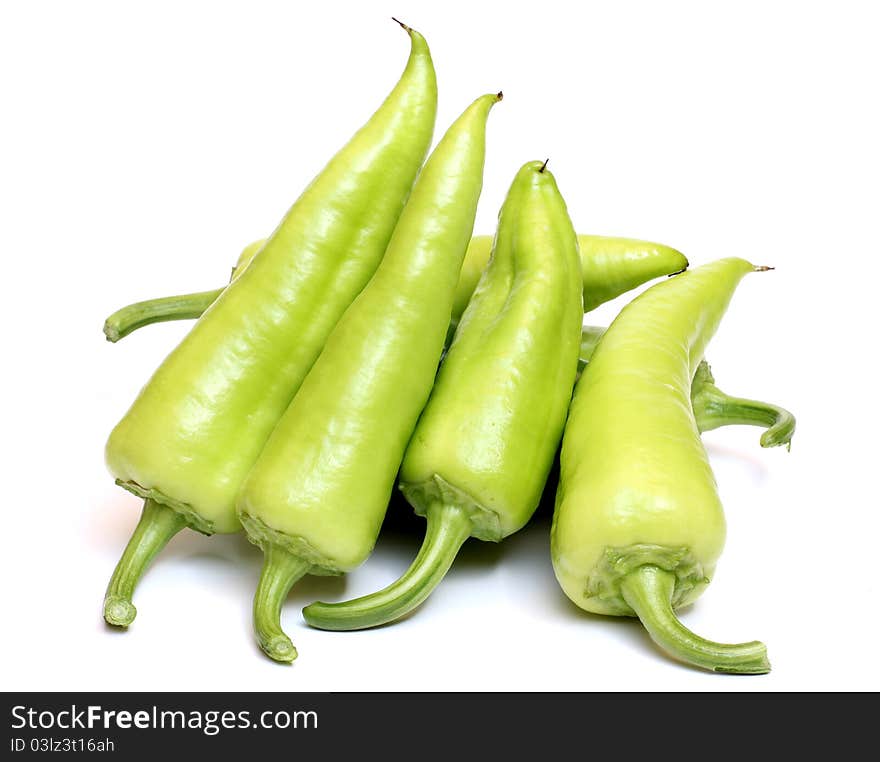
(712, 407)
(479, 457)
(315, 499)
(610, 267)
(199, 424)
(638, 525)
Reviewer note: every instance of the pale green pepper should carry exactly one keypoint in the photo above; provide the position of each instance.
(638, 525)
(196, 428)
(714, 408)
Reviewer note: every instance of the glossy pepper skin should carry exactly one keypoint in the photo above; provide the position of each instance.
(197, 427)
(480, 455)
(714, 408)
(638, 525)
(315, 499)
(610, 266)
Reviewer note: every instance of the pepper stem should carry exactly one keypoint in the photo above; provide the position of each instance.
(157, 525)
(648, 591)
(133, 316)
(448, 527)
(281, 570)
(713, 409)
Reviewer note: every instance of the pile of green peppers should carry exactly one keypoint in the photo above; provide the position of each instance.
(373, 343)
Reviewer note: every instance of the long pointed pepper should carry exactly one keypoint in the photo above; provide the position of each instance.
(198, 425)
(638, 526)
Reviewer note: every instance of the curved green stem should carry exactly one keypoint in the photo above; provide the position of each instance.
(713, 409)
(778, 422)
(448, 527)
(281, 570)
(648, 591)
(157, 525)
(133, 316)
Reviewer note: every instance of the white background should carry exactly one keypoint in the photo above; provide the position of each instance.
(143, 144)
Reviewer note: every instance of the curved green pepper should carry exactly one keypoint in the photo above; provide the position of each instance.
(638, 525)
(610, 267)
(480, 455)
(315, 499)
(198, 425)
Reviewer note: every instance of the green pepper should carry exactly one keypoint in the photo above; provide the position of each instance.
(714, 408)
(611, 266)
(315, 499)
(479, 457)
(198, 425)
(638, 525)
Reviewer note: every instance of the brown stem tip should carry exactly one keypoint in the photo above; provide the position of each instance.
(544, 165)
(408, 29)
(499, 96)
(763, 268)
